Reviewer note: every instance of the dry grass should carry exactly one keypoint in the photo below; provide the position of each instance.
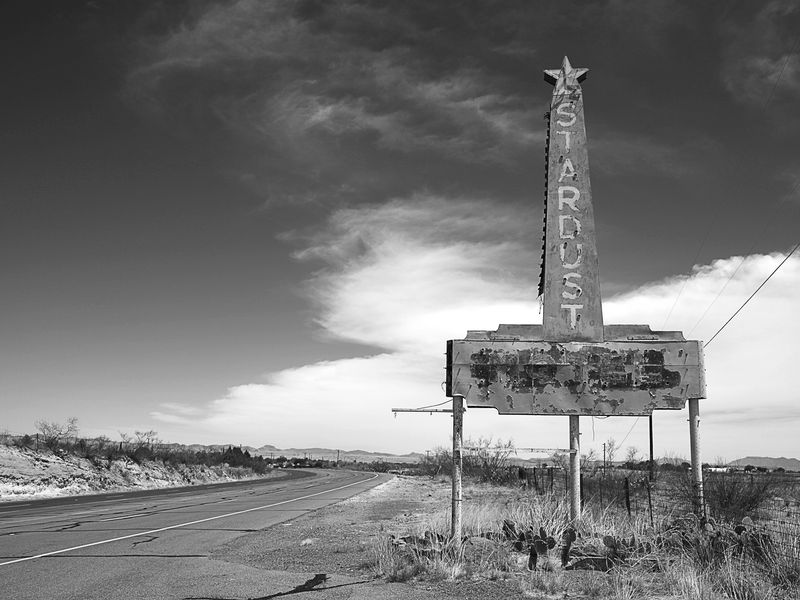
(690, 565)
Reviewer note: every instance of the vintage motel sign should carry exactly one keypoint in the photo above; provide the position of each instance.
(573, 364)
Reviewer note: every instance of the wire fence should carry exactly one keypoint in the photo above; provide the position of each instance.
(766, 504)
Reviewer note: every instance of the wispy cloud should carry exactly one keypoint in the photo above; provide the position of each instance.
(761, 61)
(402, 275)
(326, 88)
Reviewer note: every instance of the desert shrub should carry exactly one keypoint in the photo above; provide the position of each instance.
(54, 433)
(142, 454)
(488, 461)
(439, 461)
(26, 441)
(393, 563)
(733, 496)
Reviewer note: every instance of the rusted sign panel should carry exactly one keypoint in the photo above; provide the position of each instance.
(629, 376)
(570, 274)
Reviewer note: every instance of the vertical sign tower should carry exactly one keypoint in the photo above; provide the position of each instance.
(571, 289)
(573, 364)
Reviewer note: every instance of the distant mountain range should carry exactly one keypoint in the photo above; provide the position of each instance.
(270, 451)
(790, 464)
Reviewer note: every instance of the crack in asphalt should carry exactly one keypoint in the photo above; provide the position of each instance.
(147, 540)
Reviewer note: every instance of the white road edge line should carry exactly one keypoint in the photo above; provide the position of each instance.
(152, 531)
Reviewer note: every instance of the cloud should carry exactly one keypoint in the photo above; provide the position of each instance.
(761, 60)
(327, 87)
(413, 265)
(409, 274)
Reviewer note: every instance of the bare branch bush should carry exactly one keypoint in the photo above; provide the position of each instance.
(489, 460)
(55, 433)
(611, 449)
(631, 456)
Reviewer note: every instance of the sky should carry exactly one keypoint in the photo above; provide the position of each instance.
(258, 222)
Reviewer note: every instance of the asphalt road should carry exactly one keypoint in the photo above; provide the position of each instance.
(155, 544)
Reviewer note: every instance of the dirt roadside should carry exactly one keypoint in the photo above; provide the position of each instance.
(339, 541)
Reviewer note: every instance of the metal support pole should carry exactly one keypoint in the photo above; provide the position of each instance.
(652, 458)
(574, 468)
(458, 432)
(697, 465)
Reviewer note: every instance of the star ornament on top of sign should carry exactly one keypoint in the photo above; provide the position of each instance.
(567, 78)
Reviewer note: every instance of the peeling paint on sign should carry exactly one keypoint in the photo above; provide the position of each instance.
(617, 377)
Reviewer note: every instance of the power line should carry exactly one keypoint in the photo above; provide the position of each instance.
(685, 281)
(629, 431)
(767, 220)
(783, 68)
(753, 294)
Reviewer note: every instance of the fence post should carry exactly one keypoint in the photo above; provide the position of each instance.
(628, 495)
(602, 485)
(650, 502)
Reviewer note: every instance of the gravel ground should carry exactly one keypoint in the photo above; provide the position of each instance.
(339, 541)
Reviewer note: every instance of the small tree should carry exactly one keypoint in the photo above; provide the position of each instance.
(631, 456)
(146, 438)
(611, 449)
(589, 461)
(488, 460)
(54, 433)
(560, 460)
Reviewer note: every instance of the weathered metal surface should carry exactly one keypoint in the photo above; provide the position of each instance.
(571, 279)
(644, 371)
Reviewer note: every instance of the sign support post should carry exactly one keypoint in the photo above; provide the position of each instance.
(697, 465)
(574, 468)
(457, 494)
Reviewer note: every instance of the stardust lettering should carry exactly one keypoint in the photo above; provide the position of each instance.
(569, 224)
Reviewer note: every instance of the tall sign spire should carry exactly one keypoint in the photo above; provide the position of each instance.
(573, 364)
(570, 280)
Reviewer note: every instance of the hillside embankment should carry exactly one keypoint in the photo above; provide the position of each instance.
(30, 474)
